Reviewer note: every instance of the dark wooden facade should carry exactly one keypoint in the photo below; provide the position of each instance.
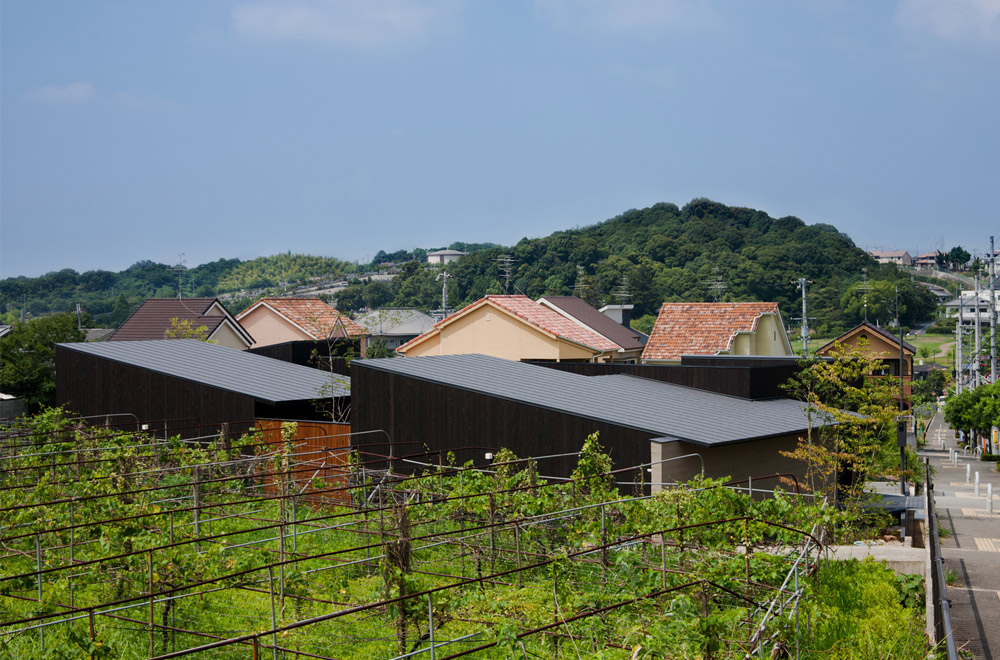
(90, 385)
(757, 379)
(426, 420)
(334, 355)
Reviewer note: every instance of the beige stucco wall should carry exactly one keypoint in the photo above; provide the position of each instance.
(755, 458)
(490, 331)
(268, 328)
(224, 335)
(770, 338)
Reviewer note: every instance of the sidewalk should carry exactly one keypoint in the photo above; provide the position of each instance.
(970, 542)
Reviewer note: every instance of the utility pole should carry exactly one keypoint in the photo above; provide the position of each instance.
(959, 364)
(901, 423)
(506, 264)
(993, 313)
(443, 275)
(977, 352)
(804, 333)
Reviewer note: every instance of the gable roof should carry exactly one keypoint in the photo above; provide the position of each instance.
(604, 325)
(153, 318)
(266, 379)
(871, 327)
(702, 328)
(664, 410)
(313, 316)
(538, 316)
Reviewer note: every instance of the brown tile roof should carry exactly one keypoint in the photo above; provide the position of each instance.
(313, 315)
(153, 318)
(701, 328)
(534, 314)
(888, 336)
(626, 338)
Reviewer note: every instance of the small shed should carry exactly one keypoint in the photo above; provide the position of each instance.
(190, 388)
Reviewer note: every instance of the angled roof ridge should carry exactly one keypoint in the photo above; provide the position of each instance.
(866, 324)
(147, 320)
(661, 409)
(261, 377)
(589, 317)
(290, 309)
(582, 330)
(577, 334)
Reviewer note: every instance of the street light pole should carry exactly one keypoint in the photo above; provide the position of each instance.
(901, 424)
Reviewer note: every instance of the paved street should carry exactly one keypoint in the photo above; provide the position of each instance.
(971, 545)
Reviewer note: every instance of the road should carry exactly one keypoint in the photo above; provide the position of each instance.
(971, 546)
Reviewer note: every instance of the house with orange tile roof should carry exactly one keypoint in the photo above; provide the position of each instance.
(515, 328)
(158, 318)
(281, 320)
(723, 328)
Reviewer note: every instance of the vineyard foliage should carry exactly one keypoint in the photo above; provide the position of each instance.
(125, 545)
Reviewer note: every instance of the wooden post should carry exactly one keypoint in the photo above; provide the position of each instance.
(72, 542)
(604, 549)
(493, 547)
(38, 578)
(152, 647)
(517, 549)
(430, 624)
(663, 560)
(196, 491)
(274, 636)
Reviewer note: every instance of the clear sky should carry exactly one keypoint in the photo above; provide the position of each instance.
(241, 128)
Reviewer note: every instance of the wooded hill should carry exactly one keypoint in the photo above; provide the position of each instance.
(704, 251)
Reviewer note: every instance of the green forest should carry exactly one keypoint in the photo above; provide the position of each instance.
(705, 251)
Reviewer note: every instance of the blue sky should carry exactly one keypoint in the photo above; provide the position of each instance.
(142, 130)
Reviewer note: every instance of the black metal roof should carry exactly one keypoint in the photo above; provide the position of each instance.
(672, 412)
(263, 378)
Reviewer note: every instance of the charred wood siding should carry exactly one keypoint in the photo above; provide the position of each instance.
(747, 382)
(334, 355)
(89, 385)
(430, 419)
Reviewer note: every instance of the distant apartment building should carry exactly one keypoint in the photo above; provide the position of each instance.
(926, 261)
(441, 257)
(898, 257)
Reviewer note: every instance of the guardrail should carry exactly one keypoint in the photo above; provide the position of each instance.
(939, 589)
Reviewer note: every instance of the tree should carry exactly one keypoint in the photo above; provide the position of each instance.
(28, 357)
(855, 442)
(185, 329)
(974, 411)
(958, 256)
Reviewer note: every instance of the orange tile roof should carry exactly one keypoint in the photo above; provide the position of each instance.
(311, 314)
(552, 322)
(701, 328)
(534, 314)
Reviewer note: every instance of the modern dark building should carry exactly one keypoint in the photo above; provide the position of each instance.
(190, 388)
(472, 405)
